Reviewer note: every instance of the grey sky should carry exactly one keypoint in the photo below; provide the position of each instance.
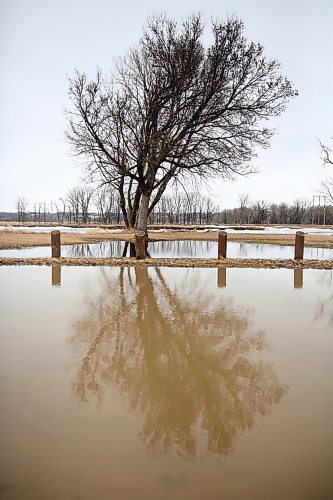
(41, 41)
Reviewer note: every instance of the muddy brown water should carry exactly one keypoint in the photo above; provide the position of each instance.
(159, 383)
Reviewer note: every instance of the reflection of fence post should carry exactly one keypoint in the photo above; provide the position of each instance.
(132, 250)
(140, 245)
(141, 276)
(299, 245)
(55, 243)
(56, 275)
(222, 245)
(298, 277)
(221, 277)
(125, 249)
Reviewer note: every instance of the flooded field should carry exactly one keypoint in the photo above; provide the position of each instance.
(174, 249)
(156, 384)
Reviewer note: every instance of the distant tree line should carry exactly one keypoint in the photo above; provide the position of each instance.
(197, 209)
(261, 212)
(84, 204)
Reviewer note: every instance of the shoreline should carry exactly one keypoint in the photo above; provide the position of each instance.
(158, 262)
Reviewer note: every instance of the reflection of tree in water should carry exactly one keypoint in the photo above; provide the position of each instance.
(325, 307)
(183, 360)
(79, 251)
(101, 249)
(181, 248)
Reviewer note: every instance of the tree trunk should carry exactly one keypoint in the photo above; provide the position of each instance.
(143, 212)
(134, 208)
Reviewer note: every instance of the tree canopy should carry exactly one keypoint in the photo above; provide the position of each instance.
(174, 108)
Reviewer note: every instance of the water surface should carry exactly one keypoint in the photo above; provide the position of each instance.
(174, 249)
(166, 383)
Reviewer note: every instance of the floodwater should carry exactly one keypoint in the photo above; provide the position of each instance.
(174, 249)
(158, 384)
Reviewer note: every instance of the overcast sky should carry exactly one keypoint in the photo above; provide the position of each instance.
(42, 41)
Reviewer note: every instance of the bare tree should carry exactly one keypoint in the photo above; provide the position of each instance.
(298, 210)
(35, 212)
(60, 211)
(85, 194)
(78, 202)
(327, 157)
(21, 207)
(45, 211)
(260, 212)
(175, 108)
(209, 209)
(40, 208)
(326, 153)
(103, 202)
(107, 202)
(39, 211)
(73, 202)
(244, 201)
(327, 188)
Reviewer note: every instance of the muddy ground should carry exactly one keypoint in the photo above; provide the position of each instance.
(254, 263)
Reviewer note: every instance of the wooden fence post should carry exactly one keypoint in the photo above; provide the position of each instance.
(222, 245)
(141, 245)
(299, 245)
(55, 243)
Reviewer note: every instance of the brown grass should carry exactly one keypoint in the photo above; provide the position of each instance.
(12, 239)
(241, 263)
